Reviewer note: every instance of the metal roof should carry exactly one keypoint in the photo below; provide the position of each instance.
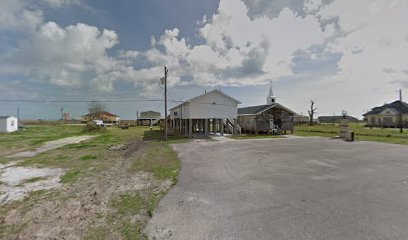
(254, 110)
(212, 91)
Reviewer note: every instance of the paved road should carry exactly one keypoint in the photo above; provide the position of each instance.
(311, 188)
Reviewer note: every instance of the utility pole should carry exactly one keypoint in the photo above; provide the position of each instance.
(18, 113)
(400, 115)
(165, 102)
(62, 115)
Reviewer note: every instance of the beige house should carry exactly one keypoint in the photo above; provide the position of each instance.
(300, 119)
(106, 117)
(388, 115)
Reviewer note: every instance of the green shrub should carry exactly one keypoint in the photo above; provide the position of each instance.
(93, 127)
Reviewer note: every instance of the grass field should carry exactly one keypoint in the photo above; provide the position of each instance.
(90, 163)
(35, 135)
(386, 135)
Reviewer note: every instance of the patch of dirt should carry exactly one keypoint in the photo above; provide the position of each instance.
(13, 177)
(78, 207)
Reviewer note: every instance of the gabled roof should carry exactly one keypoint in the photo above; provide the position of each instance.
(254, 110)
(2, 117)
(202, 95)
(400, 107)
(103, 113)
(149, 112)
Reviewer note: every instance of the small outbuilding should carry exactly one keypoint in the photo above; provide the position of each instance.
(148, 118)
(8, 124)
(212, 111)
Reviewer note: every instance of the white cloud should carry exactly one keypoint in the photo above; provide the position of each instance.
(16, 14)
(373, 40)
(240, 46)
(239, 50)
(312, 6)
(60, 3)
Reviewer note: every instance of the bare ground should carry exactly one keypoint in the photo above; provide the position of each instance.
(72, 210)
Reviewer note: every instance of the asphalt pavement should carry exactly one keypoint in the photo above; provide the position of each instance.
(300, 188)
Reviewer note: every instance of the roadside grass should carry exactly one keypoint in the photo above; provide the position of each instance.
(129, 205)
(36, 135)
(155, 135)
(160, 159)
(157, 157)
(70, 176)
(87, 154)
(31, 180)
(386, 135)
(4, 160)
(89, 159)
(249, 136)
(22, 207)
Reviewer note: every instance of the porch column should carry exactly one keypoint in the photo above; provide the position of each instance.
(206, 126)
(199, 124)
(222, 127)
(235, 126)
(190, 127)
(185, 127)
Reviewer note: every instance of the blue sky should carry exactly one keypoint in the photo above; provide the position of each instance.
(344, 55)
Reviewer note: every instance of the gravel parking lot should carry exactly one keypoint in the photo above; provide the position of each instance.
(306, 188)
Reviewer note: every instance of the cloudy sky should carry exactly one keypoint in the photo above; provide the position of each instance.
(343, 54)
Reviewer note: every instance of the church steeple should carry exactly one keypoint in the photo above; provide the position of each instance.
(270, 99)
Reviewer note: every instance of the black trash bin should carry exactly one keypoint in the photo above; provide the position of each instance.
(351, 139)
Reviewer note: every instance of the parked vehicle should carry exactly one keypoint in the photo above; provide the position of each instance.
(98, 122)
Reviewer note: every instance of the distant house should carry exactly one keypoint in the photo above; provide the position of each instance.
(106, 117)
(336, 119)
(212, 111)
(301, 119)
(388, 115)
(148, 118)
(8, 124)
(269, 118)
(67, 117)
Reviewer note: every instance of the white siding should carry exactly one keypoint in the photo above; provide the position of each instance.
(9, 124)
(180, 112)
(211, 105)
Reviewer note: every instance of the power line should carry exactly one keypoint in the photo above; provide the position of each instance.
(80, 101)
(107, 101)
